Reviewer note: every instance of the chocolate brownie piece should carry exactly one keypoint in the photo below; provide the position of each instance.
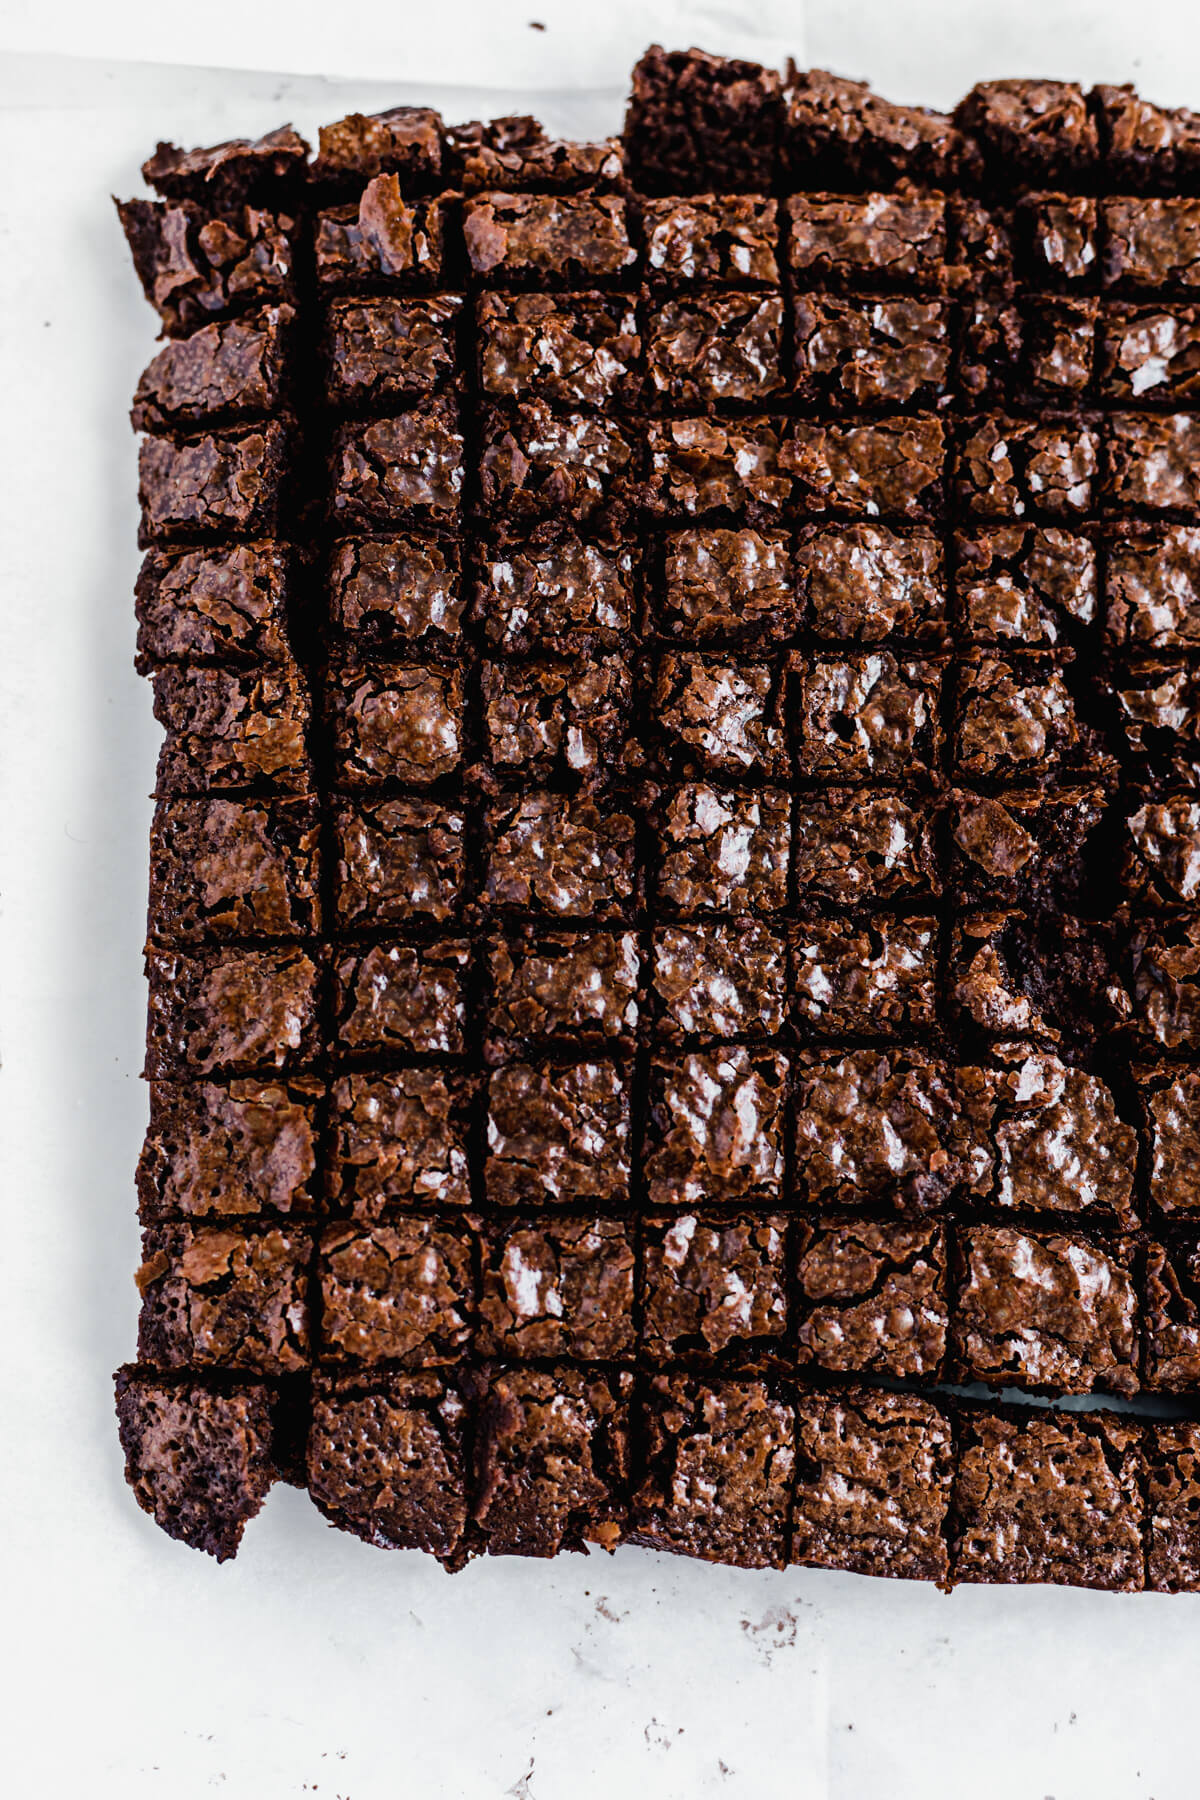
(1153, 587)
(536, 466)
(1034, 973)
(718, 1471)
(727, 238)
(1032, 584)
(715, 1127)
(1153, 462)
(222, 869)
(229, 370)
(515, 154)
(1040, 129)
(218, 484)
(867, 715)
(984, 244)
(1059, 240)
(571, 349)
(386, 1459)
(229, 174)
(1045, 1312)
(566, 593)
(1158, 704)
(395, 721)
(1162, 852)
(232, 729)
(398, 1141)
(1017, 718)
(1172, 1504)
(876, 976)
(562, 238)
(405, 997)
(229, 1149)
(871, 1298)
(856, 844)
(703, 466)
(226, 605)
(866, 582)
(713, 1287)
(557, 1287)
(719, 980)
(545, 717)
(1163, 981)
(240, 1011)
(230, 1299)
(1030, 845)
(558, 1134)
(873, 1483)
(700, 123)
(873, 240)
(397, 860)
(1044, 1496)
(891, 466)
(733, 585)
(721, 714)
(1009, 467)
(564, 984)
(387, 347)
(722, 850)
(383, 590)
(852, 353)
(194, 267)
(559, 854)
(1171, 1316)
(402, 1292)
(384, 238)
(1151, 243)
(839, 135)
(1150, 350)
(553, 1460)
(405, 141)
(1146, 146)
(714, 346)
(198, 1459)
(882, 1127)
(1037, 352)
(406, 468)
(1171, 1113)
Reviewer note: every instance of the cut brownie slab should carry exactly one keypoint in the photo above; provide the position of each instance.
(229, 370)
(852, 353)
(714, 348)
(385, 348)
(892, 467)
(721, 713)
(719, 980)
(404, 469)
(837, 134)
(1154, 587)
(867, 582)
(194, 266)
(698, 122)
(1171, 1315)
(556, 238)
(1152, 243)
(395, 721)
(572, 349)
(383, 238)
(405, 141)
(859, 844)
(550, 716)
(561, 593)
(1171, 1112)
(867, 715)
(729, 585)
(886, 240)
(559, 854)
(536, 466)
(1030, 585)
(726, 238)
(874, 976)
(723, 850)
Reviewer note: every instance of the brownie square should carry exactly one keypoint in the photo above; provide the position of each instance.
(856, 844)
(1015, 718)
(867, 715)
(1158, 704)
(402, 1292)
(571, 349)
(872, 240)
(1146, 146)
(398, 1141)
(698, 122)
(405, 588)
(713, 1286)
(711, 347)
(732, 585)
(1045, 1312)
(230, 1299)
(1035, 352)
(1061, 241)
(890, 466)
(400, 469)
(726, 238)
(390, 348)
(720, 980)
(873, 1482)
(536, 466)
(865, 582)
(1172, 1504)
(1153, 462)
(1151, 243)
(1041, 1496)
(557, 1287)
(721, 713)
(1036, 973)
(238, 1010)
(405, 141)
(724, 851)
(1162, 852)
(232, 729)
(1008, 467)
(225, 605)
(395, 721)
(397, 860)
(871, 1298)
(553, 1460)
(229, 370)
(1149, 350)
(858, 353)
(1153, 587)
(229, 1149)
(1025, 584)
(1031, 845)
(577, 984)
(404, 997)
(198, 1461)
(381, 238)
(837, 134)
(559, 854)
(1171, 1316)
(222, 869)
(558, 1134)
(715, 1127)
(231, 173)
(547, 237)
(563, 594)
(515, 154)
(1163, 981)
(1171, 1116)
(718, 1471)
(547, 717)
(875, 976)
(1059, 1144)
(217, 484)
(386, 1460)
(1040, 129)
(704, 466)
(194, 267)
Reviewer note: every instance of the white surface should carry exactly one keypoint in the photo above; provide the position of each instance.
(315, 1665)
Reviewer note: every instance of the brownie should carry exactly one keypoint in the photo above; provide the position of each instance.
(714, 1287)
(1146, 146)
(1153, 462)
(565, 593)
(515, 153)
(1009, 467)
(576, 985)
(890, 466)
(397, 860)
(851, 353)
(1163, 981)
(558, 1134)
(839, 135)
(398, 1141)
(394, 721)
(402, 1292)
(1153, 587)
(1158, 705)
(1031, 585)
(570, 349)
(1171, 1315)
(715, 1129)
(1172, 1453)
(719, 980)
(216, 484)
(726, 238)
(1061, 239)
(547, 717)
(867, 715)
(1037, 352)
(1149, 350)
(547, 237)
(700, 123)
(382, 238)
(1151, 243)
(388, 590)
(871, 1298)
(1016, 718)
(536, 466)
(406, 468)
(227, 869)
(229, 370)
(230, 1149)
(719, 1462)
(856, 844)
(875, 976)
(716, 713)
(241, 1011)
(714, 346)
(1045, 1496)
(557, 1287)
(405, 141)
(215, 1297)
(1162, 852)
(232, 729)
(386, 1459)
(1171, 1114)
(722, 850)
(866, 582)
(559, 854)
(873, 1484)
(553, 1460)
(229, 174)
(874, 241)
(1034, 972)
(224, 605)
(401, 997)
(728, 585)
(1039, 130)
(700, 467)
(386, 347)
(194, 267)
(198, 1459)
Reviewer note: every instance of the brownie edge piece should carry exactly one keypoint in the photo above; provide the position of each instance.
(700, 123)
